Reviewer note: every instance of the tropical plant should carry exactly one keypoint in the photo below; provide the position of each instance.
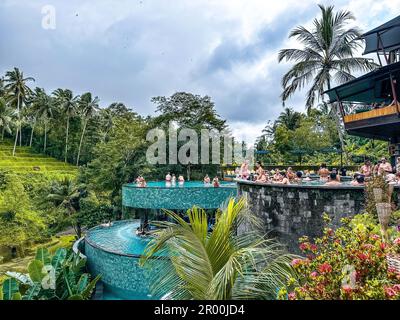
(289, 118)
(18, 92)
(217, 265)
(68, 104)
(88, 107)
(51, 277)
(5, 117)
(327, 56)
(43, 107)
(344, 264)
(65, 195)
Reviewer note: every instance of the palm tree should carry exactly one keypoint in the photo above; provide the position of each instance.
(289, 118)
(107, 122)
(43, 107)
(65, 195)
(217, 265)
(5, 117)
(326, 57)
(18, 91)
(88, 108)
(68, 105)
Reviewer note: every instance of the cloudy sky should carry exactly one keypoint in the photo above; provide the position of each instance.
(132, 50)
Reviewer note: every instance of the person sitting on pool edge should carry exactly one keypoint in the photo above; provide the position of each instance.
(282, 179)
(262, 177)
(332, 180)
(290, 174)
(358, 180)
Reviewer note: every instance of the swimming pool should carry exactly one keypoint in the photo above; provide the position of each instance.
(114, 252)
(162, 195)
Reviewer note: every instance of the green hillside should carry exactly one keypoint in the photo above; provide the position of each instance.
(26, 161)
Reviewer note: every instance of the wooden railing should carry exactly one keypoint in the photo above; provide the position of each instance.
(371, 114)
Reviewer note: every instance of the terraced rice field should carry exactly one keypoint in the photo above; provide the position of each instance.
(26, 160)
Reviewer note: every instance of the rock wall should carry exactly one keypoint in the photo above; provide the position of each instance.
(292, 211)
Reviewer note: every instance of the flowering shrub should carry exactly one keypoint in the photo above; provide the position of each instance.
(349, 263)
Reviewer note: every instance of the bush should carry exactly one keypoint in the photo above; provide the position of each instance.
(349, 263)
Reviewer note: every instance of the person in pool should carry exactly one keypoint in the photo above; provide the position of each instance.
(181, 179)
(259, 168)
(142, 183)
(366, 169)
(323, 172)
(207, 179)
(262, 177)
(216, 182)
(290, 174)
(332, 180)
(299, 177)
(173, 179)
(358, 180)
(168, 177)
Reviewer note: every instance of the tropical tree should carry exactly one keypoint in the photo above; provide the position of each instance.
(65, 195)
(18, 92)
(88, 108)
(219, 265)
(68, 104)
(327, 57)
(43, 107)
(5, 117)
(289, 118)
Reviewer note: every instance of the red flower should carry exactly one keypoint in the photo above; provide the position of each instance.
(362, 256)
(296, 262)
(292, 296)
(325, 268)
(303, 246)
(382, 246)
(347, 289)
(313, 247)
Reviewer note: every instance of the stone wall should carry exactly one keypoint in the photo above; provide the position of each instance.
(292, 211)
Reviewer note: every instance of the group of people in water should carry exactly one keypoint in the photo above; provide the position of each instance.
(170, 180)
(324, 175)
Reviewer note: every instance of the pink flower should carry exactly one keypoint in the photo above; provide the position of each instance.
(292, 296)
(396, 287)
(296, 262)
(313, 247)
(303, 247)
(375, 237)
(390, 292)
(325, 268)
(397, 241)
(313, 274)
(347, 289)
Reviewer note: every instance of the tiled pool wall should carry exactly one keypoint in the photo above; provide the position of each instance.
(122, 273)
(292, 211)
(176, 198)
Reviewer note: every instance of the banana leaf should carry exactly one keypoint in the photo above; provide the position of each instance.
(35, 269)
(76, 297)
(89, 289)
(59, 258)
(17, 296)
(42, 254)
(32, 292)
(21, 277)
(10, 287)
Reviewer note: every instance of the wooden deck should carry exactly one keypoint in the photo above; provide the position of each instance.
(389, 110)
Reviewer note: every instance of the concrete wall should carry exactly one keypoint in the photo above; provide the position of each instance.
(292, 211)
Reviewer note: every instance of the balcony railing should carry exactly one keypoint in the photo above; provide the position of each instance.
(368, 112)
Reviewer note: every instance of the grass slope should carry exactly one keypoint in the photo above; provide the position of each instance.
(26, 161)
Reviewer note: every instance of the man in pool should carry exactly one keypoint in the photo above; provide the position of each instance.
(366, 169)
(332, 180)
(168, 177)
(207, 179)
(385, 167)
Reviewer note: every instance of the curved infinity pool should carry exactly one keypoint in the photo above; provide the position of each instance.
(162, 195)
(114, 253)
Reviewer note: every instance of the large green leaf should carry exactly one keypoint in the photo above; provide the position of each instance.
(10, 287)
(1, 293)
(17, 296)
(76, 297)
(83, 282)
(35, 269)
(32, 292)
(89, 289)
(42, 254)
(59, 258)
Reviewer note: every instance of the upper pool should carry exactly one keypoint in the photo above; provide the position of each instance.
(162, 195)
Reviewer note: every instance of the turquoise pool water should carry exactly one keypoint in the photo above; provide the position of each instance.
(162, 195)
(114, 253)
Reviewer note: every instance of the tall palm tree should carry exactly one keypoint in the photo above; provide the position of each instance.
(68, 104)
(65, 195)
(289, 118)
(5, 117)
(88, 108)
(327, 57)
(43, 106)
(217, 265)
(18, 92)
